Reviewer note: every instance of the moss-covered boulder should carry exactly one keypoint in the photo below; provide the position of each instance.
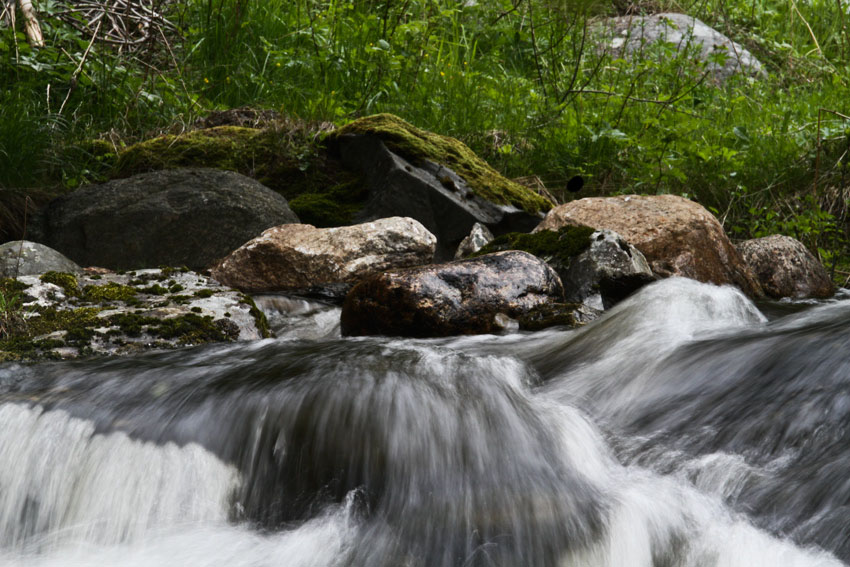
(285, 156)
(63, 315)
(434, 179)
(417, 146)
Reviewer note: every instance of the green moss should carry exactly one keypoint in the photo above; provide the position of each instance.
(322, 211)
(223, 147)
(417, 145)
(109, 292)
(259, 317)
(203, 293)
(175, 288)
(190, 329)
(11, 286)
(68, 282)
(155, 289)
(551, 246)
(78, 323)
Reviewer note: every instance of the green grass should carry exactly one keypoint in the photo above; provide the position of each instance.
(524, 88)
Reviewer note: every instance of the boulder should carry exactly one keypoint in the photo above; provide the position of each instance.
(597, 268)
(678, 237)
(189, 217)
(71, 316)
(786, 268)
(478, 237)
(301, 256)
(627, 35)
(435, 179)
(476, 295)
(25, 258)
(607, 272)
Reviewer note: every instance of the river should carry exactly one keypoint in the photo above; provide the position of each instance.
(687, 427)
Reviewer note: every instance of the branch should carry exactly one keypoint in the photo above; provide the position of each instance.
(31, 23)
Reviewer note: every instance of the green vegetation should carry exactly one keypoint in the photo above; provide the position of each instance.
(68, 282)
(109, 292)
(522, 84)
(556, 247)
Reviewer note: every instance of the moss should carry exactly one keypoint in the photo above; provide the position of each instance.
(51, 319)
(190, 329)
(203, 293)
(417, 145)
(68, 282)
(259, 317)
(11, 285)
(175, 288)
(321, 211)
(109, 292)
(222, 148)
(195, 309)
(551, 246)
(155, 289)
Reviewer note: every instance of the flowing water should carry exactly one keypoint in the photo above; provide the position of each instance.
(682, 429)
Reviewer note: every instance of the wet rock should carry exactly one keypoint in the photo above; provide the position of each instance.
(785, 267)
(597, 268)
(435, 179)
(629, 35)
(70, 316)
(478, 237)
(678, 237)
(301, 256)
(189, 217)
(607, 272)
(463, 297)
(25, 258)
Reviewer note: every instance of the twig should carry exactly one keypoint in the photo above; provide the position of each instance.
(79, 68)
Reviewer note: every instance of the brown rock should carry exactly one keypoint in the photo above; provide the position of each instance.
(677, 236)
(463, 297)
(298, 256)
(785, 268)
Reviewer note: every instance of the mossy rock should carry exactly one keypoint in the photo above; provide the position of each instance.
(68, 282)
(416, 145)
(557, 248)
(289, 161)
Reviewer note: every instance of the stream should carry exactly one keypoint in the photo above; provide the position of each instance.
(687, 427)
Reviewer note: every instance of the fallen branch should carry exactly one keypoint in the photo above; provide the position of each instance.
(33, 30)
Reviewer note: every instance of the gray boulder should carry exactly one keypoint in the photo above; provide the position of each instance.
(627, 35)
(785, 267)
(189, 217)
(477, 239)
(605, 273)
(433, 194)
(25, 258)
(477, 295)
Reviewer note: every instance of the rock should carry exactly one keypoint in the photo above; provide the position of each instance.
(435, 179)
(70, 316)
(462, 297)
(478, 237)
(189, 217)
(301, 256)
(785, 268)
(25, 258)
(597, 268)
(607, 272)
(678, 237)
(629, 34)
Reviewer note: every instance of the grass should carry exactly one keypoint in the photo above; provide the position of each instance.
(522, 87)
